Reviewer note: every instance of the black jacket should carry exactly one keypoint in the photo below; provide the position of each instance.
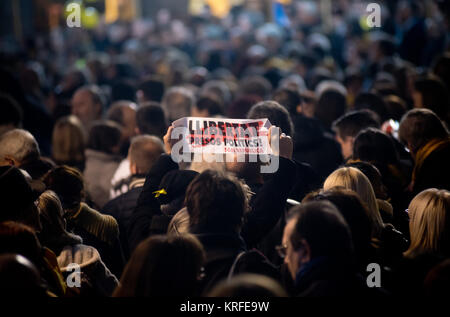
(316, 147)
(121, 208)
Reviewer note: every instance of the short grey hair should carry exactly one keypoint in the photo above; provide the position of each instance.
(20, 145)
(177, 103)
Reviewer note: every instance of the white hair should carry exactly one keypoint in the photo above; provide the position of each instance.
(18, 144)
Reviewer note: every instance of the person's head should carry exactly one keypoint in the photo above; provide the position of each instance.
(313, 230)
(68, 184)
(87, 104)
(255, 85)
(124, 114)
(431, 93)
(105, 136)
(248, 285)
(396, 107)
(374, 102)
(330, 106)
(420, 126)
(68, 140)
(206, 107)
(12, 113)
(177, 103)
(277, 115)
(288, 98)
(18, 147)
(54, 234)
(242, 105)
(150, 119)
(144, 152)
(349, 125)
(19, 278)
(20, 239)
(150, 89)
(355, 214)
(353, 179)
(375, 146)
(17, 199)
(374, 176)
(216, 202)
(123, 90)
(429, 223)
(163, 266)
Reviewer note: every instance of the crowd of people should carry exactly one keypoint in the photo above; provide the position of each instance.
(87, 179)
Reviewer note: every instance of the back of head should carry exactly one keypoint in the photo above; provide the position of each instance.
(18, 145)
(210, 105)
(324, 228)
(163, 266)
(177, 103)
(68, 184)
(373, 145)
(216, 203)
(330, 106)
(54, 234)
(420, 126)
(434, 96)
(248, 285)
(150, 119)
(355, 214)
(353, 179)
(288, 98)
(105, 136)
(16, 197)
(152, 89)
(277, 115)
(19, 278)
(21, 239)
(255, 85)
(350, 124)
(68, 140)
(372, 102)
(430, 223)
(144, 152)
(374, 176)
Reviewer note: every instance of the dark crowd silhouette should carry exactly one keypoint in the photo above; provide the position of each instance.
(93, 205)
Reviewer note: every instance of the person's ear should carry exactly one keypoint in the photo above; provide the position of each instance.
(305, 252)
(133, 168)
(299, 109)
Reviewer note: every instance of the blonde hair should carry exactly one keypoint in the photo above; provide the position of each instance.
(68, 140)
(430, 223)
(353, 179)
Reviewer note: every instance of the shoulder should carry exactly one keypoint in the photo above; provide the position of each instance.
(103, 226)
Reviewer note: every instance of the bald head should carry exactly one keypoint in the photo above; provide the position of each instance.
(144, 152)
(18, 147)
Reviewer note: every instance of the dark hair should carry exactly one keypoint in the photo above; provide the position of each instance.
(441, 66)
(216, 202)
(419, 126)
(374, 102)
(11, 111)
(150, 119)
(396, 107)
(324, 228)
(163, 266)
(288, 98)
(330, 106)
(104, 136)
(435, 96)
(355, 214)
(68, 184)
(213, 106)
(350, 124)
(374, 176)
(152, 88)
(277, 115)
(123, 90)
(21, 239)
(374, 146)
(242, 105)
(255, 85)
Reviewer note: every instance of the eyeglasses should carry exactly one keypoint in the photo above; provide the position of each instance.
(281, 250)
